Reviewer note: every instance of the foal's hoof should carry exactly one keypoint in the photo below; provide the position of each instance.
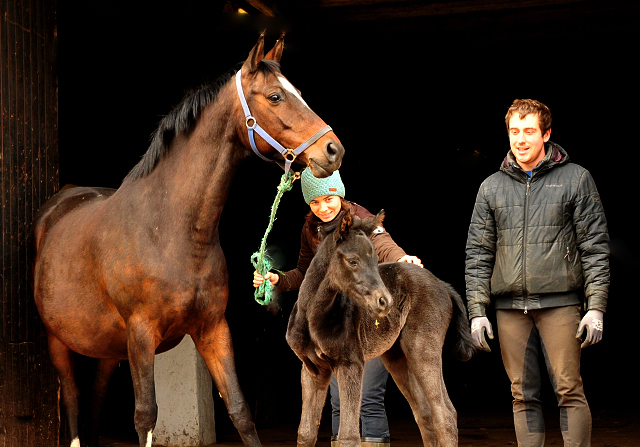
(365, 442)
(375, 442)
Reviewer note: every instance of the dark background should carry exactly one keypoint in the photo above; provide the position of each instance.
(418, 102)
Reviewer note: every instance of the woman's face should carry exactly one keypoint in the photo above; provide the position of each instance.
(326, 208)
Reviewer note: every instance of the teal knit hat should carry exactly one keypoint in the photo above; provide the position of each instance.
(313, 187)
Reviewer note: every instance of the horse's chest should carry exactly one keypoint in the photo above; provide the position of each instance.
(355, 332)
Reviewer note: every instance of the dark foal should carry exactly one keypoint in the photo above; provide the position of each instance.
(127, 273)
(351, 309)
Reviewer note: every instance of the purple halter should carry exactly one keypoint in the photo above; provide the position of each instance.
(288, 154)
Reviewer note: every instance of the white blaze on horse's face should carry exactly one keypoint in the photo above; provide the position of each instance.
(291, 89)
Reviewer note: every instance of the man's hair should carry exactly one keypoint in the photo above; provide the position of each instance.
(530, 106)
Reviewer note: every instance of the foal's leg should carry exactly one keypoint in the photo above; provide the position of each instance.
(214, 344)
(105, 370)
(427, 368)
(412, 391)
(314, 395)
(350, 387)
(141, 348)
(62, 359)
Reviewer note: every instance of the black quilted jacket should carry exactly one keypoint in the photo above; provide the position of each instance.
(538, 243)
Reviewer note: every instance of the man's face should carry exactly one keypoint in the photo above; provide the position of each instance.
(526, 140)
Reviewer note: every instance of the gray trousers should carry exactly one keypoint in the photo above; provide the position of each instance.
(527, 341)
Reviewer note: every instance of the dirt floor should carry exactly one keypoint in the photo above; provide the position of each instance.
(486, 429)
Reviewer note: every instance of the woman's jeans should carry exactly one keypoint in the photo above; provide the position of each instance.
(373, 416)
(544, 337)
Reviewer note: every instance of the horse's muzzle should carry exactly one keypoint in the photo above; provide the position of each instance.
(380, 303)
(333, 152)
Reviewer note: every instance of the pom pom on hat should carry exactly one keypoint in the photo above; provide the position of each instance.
(313, 187)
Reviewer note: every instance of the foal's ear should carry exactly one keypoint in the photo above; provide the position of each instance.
(276, 52)
(255, 56)
(371, 224)
(380, 217)
(342, 231)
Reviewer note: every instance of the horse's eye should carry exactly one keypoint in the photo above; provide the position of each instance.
(275, 98)
(352, 263)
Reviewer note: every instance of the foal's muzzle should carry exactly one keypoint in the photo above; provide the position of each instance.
(380, 303)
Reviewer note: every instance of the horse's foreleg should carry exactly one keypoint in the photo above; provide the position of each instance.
(215, 346)
(141, 348)
(314, 394)
(350, 388)
(105, 370)
(62, 359)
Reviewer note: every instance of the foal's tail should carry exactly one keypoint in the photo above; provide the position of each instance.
(464, 347)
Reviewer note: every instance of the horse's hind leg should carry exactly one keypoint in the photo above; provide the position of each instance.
(62, 359)
(141, 350)
(427, 370)
(411, 389)
(215, 346)
(105, 370)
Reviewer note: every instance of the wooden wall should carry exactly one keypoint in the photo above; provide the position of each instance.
(29, 175)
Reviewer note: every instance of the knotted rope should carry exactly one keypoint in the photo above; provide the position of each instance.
(260, 259)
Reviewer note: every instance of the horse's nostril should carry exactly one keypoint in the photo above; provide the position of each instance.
(332, 151)
(382, 302)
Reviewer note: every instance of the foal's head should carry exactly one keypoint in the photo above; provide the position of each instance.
(353, 267)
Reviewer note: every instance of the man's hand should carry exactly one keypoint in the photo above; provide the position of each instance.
(480, 326)
(593, 323)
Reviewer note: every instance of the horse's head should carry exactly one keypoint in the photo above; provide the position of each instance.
(354, 267)
(287, 129)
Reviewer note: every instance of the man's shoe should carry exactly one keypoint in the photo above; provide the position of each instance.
(334, 441)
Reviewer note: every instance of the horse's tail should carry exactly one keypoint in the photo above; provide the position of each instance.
(464, 348)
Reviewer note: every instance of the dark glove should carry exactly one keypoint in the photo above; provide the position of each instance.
(480, 326)
(592, 322)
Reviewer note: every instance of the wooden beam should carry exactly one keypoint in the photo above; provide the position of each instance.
(357, 10)
(262, 6)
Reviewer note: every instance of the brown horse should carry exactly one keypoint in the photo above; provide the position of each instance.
(126, 273)
(350, 309)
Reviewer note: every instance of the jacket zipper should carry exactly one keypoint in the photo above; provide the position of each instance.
(525, 292)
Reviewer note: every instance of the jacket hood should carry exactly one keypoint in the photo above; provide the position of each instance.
(554, 155)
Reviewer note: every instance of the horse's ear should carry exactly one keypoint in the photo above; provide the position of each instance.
(255, 56)
(276, 52)
(373, 224)
(347, 221)
(380, 218)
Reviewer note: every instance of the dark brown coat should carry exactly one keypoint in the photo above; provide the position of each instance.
(385, 247)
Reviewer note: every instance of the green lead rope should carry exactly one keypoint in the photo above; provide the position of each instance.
(260, 259)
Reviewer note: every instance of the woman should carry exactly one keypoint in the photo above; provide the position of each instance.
(326, 200)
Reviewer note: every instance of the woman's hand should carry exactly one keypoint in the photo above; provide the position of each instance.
(411, 260)
(258, 279)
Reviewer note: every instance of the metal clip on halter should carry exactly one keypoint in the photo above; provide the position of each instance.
(289, 155)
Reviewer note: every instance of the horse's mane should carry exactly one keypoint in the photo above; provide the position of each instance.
(183, 118)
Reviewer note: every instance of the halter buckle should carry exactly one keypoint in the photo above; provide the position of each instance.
(251, 126)
(290, 155)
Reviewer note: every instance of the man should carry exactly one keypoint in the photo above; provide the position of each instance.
(538, 245)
